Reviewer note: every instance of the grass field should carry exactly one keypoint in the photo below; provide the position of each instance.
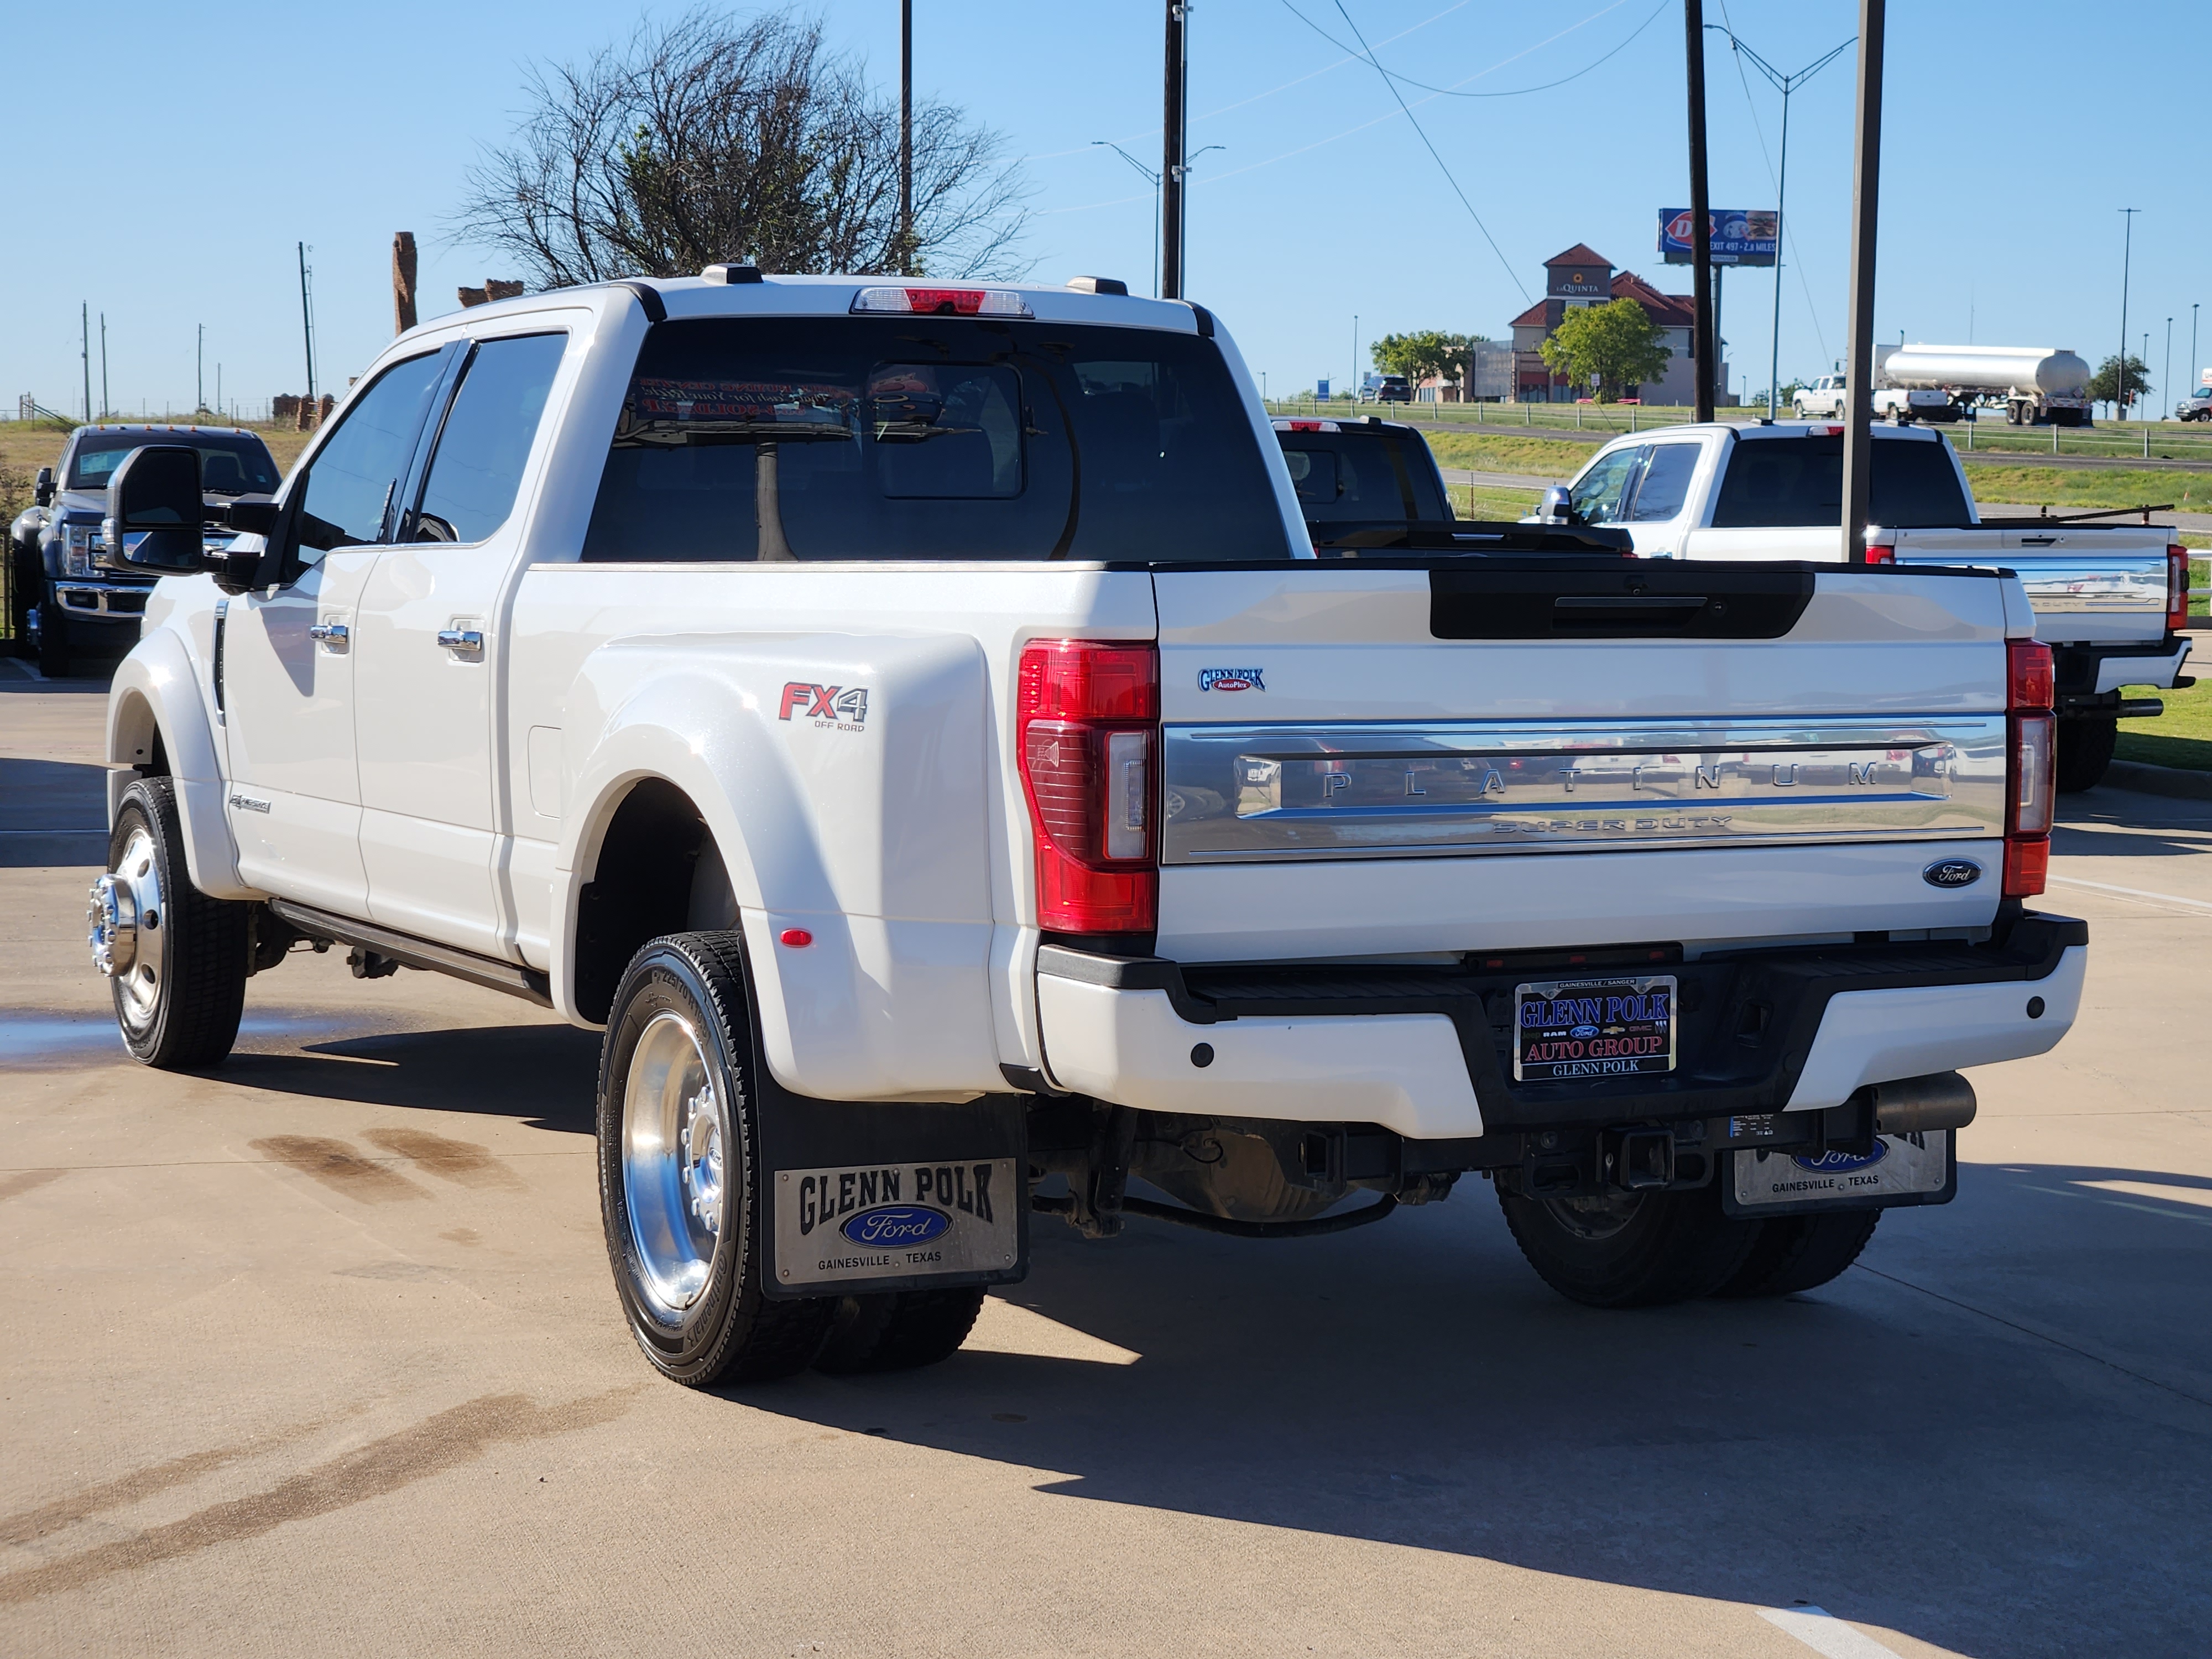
(2180, 737)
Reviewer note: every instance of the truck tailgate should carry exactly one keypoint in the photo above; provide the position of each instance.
(1386, 759)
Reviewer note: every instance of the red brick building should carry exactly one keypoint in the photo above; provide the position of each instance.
(1582, 276)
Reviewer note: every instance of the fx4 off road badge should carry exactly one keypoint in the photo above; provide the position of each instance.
(845, 708)
(1230, 679)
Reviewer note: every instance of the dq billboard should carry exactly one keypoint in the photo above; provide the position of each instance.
(1739, 238)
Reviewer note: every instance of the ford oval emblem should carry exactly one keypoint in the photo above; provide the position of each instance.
(1584, 1031)
(1838, 1162)
(889, 1226)
(1952, 872)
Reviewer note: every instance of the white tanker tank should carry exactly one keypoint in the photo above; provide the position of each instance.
(2036, 385)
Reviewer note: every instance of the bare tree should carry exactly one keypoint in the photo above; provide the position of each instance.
(706, 140)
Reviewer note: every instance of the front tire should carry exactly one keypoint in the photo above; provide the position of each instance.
(680, 1176)
(53, 640)
(176, 960)
(2085, 752)
(1630, 1249)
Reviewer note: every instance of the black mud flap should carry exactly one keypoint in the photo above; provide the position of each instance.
(864, 1197)
(1920, 1168)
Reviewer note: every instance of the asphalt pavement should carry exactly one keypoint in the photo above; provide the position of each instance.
(317, 1351)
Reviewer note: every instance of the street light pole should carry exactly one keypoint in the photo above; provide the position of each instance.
(2165, 372)
(1785, 84)
(2120, 369)
(1153, 179)
(1701, 224)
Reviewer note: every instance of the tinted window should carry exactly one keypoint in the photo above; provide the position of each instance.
(931, 438)
(229, 466)
(1597, 494)
(1344, 477)
(1666, 482)
(1775, 481)
(353, 477)
(477, 468)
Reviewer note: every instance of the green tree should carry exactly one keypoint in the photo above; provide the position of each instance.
(1419, 354)
(1617, 345)
(2101, 383)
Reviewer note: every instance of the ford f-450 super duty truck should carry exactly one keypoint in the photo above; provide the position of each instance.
(2110, 600)
(909, 721)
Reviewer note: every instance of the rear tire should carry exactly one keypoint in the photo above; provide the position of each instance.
(902, 1331)
(1630, 1250)
(179, 975)
(680, 1173)
(2085, 752)
(1800, 1253)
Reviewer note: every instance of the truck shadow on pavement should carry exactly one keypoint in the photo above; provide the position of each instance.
(541, 1076)
(1956, 1441)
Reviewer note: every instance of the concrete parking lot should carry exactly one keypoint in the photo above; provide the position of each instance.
(317, 1352)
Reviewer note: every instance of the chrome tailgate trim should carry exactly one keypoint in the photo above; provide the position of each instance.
(1392, 789)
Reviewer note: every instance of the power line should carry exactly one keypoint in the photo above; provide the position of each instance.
(1518, 92)
(1446, 170)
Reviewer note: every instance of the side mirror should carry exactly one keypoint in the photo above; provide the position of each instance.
(42, 491)
(1557, 506)
(154, 511)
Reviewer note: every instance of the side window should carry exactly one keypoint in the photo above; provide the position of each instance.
(1665, 485)
(1597, 495)
(347, 495)
(477, 468)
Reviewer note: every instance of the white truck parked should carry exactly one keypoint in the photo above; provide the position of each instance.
(909, 721)
(2110, 600)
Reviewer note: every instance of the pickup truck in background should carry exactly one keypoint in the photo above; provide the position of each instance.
(1366, 485)
(75, 603)
(909, 721)
(2110, 600)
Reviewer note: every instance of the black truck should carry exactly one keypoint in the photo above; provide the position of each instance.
(69, 604)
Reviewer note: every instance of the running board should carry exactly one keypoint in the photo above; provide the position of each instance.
(410, 952)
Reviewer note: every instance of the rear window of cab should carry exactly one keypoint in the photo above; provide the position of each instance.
(924, 437)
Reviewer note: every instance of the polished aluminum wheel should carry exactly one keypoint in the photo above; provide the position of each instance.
(676, 1136)
(125, 928)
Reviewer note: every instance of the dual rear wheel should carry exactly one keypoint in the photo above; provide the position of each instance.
(681, 1198)
(1645, 1249)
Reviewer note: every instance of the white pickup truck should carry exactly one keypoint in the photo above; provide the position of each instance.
(909, 721)
(2110, 600)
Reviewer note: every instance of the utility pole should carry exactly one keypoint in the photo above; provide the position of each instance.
(1858, 375)
(1354, 381)
(106, 402)
(1171, 155)
(199, 371)
(2120, 369)
(1701, 224)
(84, 354)
(307, 322)
(2192, 340)
(2165, 374)
(906, 138)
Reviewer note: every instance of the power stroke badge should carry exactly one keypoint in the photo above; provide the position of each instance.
(897, 1220)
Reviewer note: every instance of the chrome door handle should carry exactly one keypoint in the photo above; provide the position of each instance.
(460, 639)
(333, 635)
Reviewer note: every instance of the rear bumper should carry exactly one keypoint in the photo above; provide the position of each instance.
(2100, 670)
(1424, 1051)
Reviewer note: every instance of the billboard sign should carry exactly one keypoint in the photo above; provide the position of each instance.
(1739, 238)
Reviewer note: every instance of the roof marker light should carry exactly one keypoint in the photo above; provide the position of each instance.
(943, 302)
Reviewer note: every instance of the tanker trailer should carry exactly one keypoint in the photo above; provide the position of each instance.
(2036, 385)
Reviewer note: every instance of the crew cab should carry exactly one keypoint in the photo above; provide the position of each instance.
(909, 721)
(2111, 600)
(74, 604)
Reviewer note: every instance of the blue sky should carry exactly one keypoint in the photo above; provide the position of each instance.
(168, 180)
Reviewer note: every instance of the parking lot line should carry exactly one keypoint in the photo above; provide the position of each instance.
(1824, 1632)
(2135, 892)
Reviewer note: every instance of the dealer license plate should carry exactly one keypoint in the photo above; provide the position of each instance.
(1568, 1030)
(897, 1220)
(1901, 1169)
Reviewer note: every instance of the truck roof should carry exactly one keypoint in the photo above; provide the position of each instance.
(1747, 429)
(833, 295)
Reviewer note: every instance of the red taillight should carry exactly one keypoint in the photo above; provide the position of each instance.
(1087, 730)
(2177, 588)
(2031, 780)
(1877, 554)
